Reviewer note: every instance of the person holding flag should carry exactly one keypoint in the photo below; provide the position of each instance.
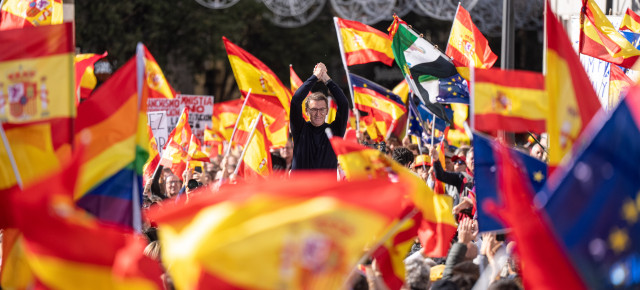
(311, 146)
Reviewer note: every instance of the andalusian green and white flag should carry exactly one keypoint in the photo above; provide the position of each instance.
(422, 65)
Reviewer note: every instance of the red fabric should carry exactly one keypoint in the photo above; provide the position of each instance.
(547, 265)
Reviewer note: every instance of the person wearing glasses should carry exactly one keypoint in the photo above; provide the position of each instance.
(311, 146)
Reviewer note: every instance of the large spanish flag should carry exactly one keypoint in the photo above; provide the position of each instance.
(619, 83)
(112, 125)
(85, 78)
(467, 46)
(309, 238)
(251, 73)
(37, 80)
(21, 14)
(630, 21)
(572, 100)
(510, 100)
(155, 85)
(362, 43)
(438, 225)
(599, 39)
(68, 249)
(256, 159)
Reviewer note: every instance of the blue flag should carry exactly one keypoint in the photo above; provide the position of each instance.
(453, 89)
(594, 202)
(486, 179)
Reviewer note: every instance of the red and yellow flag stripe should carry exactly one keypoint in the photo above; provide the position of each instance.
(16, 14)
(630, 21)
(363, 43)
(510, 100)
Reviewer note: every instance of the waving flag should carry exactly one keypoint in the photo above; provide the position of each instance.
(15, 14)
(309, 238)
(155, 85)
(38, 80)
(214, 143)
(85, 79)
(437, 225)
(421, 64)
(114, 121)
(572, 101)
(531, 229)
(154, 157)
(630, 21)
(510, 100)
(256, 159)
(362, 43)
(619, 83)
(419, 122)
(594, 202)
(195, 153)
(467, 46)
(175, 152)
(599, 39)
(486, 178)
(224, 117)
(68, 249)
(251, 73)
(402, 90)
(376, 100)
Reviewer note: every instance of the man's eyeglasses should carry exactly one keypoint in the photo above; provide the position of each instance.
(315, 111)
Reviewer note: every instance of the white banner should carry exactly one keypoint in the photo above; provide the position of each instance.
(158, 124)
(200, 112)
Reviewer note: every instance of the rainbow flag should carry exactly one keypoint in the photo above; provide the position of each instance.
(85, 78)
(155, 85)
(467, 46)
(509, 100)
(630, 21)
(437, 226)
(619, 83)
(362, 43)
(114, 122)
(251, 73)
(16, 14)
(572, 100)
(309, 238)
(599, 39)
(256, 159)
(68, 249)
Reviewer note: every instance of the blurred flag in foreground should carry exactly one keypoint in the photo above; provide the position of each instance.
(16, 14)
(630, 21)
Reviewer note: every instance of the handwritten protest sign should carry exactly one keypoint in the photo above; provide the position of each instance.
(158, 124)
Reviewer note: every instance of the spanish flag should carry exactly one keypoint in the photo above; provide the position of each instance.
(599, 39)
(224, 117)
(256, 159)
(619, 83)
(402, 91)
(154, 157)
(509, 100)
(213, 142)
(195, 154)
(309, 238)
(572, 100)
(362, 43)
(68, 249)
(467, 46)
(437, 226)
(155, 85)
(85, 78)
(251, 73)
(380, 103)
(175, 152)
(15, 14)
(630, 21)
(37, 82)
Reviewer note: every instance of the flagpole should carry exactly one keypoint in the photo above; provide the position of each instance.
(346, 69)
(472, 95)
(7, 147)
(254, 125)
(237, 122)
(433, 130)
(390, 129)
(135, 198)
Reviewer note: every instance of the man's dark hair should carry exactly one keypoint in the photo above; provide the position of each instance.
(402, 155)
(317, 96)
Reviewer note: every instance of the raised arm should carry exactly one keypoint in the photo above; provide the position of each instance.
(295, 114)
(452, 178)
(339, 125)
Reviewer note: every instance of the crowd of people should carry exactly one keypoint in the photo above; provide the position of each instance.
(487, 258)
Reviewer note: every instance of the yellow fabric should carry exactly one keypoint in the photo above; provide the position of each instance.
(510, 101)
(48, 15)
(626, 49)
(155, 79)
(256, 154)
(354, 40)
(47, 83)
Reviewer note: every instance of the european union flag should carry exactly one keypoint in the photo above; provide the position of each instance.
(632, 37)
(453, 89)
(419, 117)
(486, 179)
(594, 202)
